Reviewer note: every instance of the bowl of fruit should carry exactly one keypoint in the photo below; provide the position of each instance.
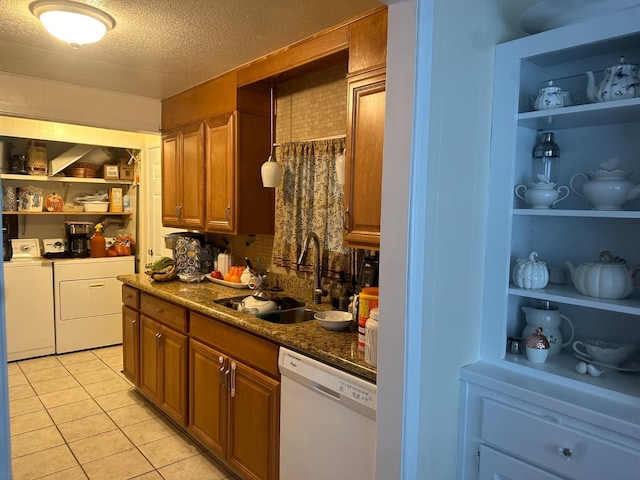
(231, 279)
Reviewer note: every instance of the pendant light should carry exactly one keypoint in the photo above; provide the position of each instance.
(74, 22)
(271, 171)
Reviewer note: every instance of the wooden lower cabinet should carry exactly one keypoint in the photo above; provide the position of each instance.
(163, 367)
(235, 411)
(254, 423)
(130, 344)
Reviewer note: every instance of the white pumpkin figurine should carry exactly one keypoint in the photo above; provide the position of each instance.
(530, 273)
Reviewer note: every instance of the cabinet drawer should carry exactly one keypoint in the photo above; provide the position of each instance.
(131, 297)
(246, 347)
(546, 441)
(164, 312)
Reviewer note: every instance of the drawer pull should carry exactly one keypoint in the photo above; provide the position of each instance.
(222, 376)
(566, 453)
(233, 379)
(159, 310)
(96, 285)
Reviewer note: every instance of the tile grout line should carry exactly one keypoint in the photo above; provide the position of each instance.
(119, 372)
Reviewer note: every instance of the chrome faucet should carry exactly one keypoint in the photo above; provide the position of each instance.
(318, 293)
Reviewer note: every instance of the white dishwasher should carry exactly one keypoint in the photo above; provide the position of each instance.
(327, 421)
(88, 302)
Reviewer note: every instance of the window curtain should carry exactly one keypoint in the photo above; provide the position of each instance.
(310, 200)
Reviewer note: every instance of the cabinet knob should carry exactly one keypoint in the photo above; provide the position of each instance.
(566, 453)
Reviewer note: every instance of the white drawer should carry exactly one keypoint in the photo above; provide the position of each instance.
(89, 298)
(547, 441)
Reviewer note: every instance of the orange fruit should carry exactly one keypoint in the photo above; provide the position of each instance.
(235, 278)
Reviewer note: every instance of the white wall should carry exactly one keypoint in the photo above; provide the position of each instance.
(34, 98)
(431, 295)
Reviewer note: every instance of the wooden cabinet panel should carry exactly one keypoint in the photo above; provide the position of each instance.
(254, 423)
(131, 297)
(183, 177)
(208, 396)
(130, 343)
(173, 355)
(250, 349)
(363, 184)
(220, 185)
(368, 42)
(149, 365)
(170, 178)
(165, 312)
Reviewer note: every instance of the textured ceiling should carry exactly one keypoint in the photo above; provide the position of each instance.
(162, 47)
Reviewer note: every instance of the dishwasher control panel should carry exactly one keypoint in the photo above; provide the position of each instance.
(327, 380)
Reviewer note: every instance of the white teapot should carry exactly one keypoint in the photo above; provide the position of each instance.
(549, 97)
(619, 82)
(608, 278)
(606, 189)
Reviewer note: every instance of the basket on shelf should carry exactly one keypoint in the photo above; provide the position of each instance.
(83, 170)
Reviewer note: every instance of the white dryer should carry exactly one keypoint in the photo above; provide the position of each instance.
(88, 302)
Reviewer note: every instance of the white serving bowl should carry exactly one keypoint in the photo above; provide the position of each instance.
(606, 353)
(96, 206)
(334, 319)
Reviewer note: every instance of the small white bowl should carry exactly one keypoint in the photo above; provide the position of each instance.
(334, 319)
(96, 206)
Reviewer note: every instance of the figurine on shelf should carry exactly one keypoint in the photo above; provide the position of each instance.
(537, 347)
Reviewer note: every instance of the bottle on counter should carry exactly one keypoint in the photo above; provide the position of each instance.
(98, 243)
(367, 300)
(340, 295)
(371, 338)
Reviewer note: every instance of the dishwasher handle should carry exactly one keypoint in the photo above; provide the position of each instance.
(325, 390)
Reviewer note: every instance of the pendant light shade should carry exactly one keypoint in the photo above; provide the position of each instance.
(73, 22)
(271, 171)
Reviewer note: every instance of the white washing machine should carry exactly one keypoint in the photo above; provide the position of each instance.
(28, 301)
(88, 302)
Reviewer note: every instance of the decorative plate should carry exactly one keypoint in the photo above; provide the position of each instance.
(225, 283)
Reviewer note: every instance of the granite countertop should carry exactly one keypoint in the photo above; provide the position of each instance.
(338, 349)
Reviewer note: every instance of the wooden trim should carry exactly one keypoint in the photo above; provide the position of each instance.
(297, 54)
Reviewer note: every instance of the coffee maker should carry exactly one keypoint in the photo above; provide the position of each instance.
(78, 238)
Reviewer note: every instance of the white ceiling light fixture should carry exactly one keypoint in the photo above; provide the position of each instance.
(73, 22)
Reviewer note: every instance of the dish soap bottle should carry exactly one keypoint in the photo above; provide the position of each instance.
(340, 295)
(98, 243)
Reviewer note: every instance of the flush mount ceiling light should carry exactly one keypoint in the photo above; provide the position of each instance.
(75, 23)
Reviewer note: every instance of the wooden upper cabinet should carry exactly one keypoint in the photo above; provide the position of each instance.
(237, 144)
(213, 97)
(221, 173)
(183, 177)
(363, 173)
(368, 42)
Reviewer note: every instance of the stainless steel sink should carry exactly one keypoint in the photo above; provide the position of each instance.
(289, 309)
(293, 315)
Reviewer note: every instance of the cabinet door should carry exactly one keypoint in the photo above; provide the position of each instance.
(183, 177)
(495, 465)
(208, 392)
(170, 179)
(221, 174)
(192, 177)
(363, 174)
(130, 345)
(173, 374)
(254, 419)
(150, 331)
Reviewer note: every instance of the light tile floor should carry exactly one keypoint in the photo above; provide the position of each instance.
(75, 416)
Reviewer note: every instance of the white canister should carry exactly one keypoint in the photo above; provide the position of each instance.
(224, 263)
(371, 338)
